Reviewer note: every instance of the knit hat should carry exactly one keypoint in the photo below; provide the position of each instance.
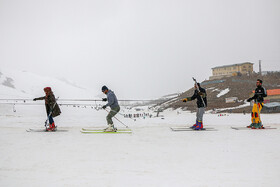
(47, 89)
(104, 88)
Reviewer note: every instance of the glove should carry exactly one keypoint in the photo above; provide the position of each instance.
(249, 100)
(200, 93)
(104, 99)
(185, 100)
(34, 99)
(104, 106)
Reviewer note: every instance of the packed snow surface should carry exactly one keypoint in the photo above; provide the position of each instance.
(152, 155)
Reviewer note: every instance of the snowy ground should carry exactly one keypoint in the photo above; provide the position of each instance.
(152, 155)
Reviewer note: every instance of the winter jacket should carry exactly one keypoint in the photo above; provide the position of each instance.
(199, 101)
(260, 93)
(112, 99)
(50, 104)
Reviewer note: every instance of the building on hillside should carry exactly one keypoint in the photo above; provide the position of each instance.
(231, 70)
(271, 102)
(273, 95)
(231, 99)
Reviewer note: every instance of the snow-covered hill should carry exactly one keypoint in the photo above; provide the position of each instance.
(23, 84)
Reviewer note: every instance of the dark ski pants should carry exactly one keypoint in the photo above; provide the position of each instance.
(51, 121)
(111, 114)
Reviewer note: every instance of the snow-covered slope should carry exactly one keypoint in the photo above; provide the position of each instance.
(23, 84)
(152, 156)
(223, 92)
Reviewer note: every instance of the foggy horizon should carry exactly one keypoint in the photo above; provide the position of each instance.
(139, 49)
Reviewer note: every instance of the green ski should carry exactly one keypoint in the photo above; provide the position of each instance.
(100, 129)
(105, 132)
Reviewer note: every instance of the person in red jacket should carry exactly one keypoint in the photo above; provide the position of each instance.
(52, 107)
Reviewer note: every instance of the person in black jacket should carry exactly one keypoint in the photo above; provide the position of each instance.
(201, 101)
(260, 93)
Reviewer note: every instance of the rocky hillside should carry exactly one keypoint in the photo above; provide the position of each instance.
(218, 90)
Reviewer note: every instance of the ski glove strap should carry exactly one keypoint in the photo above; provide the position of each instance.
(202, 94)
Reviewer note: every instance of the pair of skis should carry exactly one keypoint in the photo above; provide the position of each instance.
(246, 128)
(102, 131)
(129, 131)
(45, 130)
(213, 129)
(85, 130)
(191, 129)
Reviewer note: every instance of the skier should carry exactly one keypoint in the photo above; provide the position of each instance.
(52, 107)
(200, 95)
(114, 105)
(260, 93)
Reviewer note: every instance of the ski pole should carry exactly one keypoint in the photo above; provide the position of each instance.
(117, 118)
(199, 91)
(118, 113)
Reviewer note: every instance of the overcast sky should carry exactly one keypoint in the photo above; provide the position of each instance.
(139, 48)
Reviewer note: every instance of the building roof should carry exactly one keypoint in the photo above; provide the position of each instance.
(232, 65)
(273, 92)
